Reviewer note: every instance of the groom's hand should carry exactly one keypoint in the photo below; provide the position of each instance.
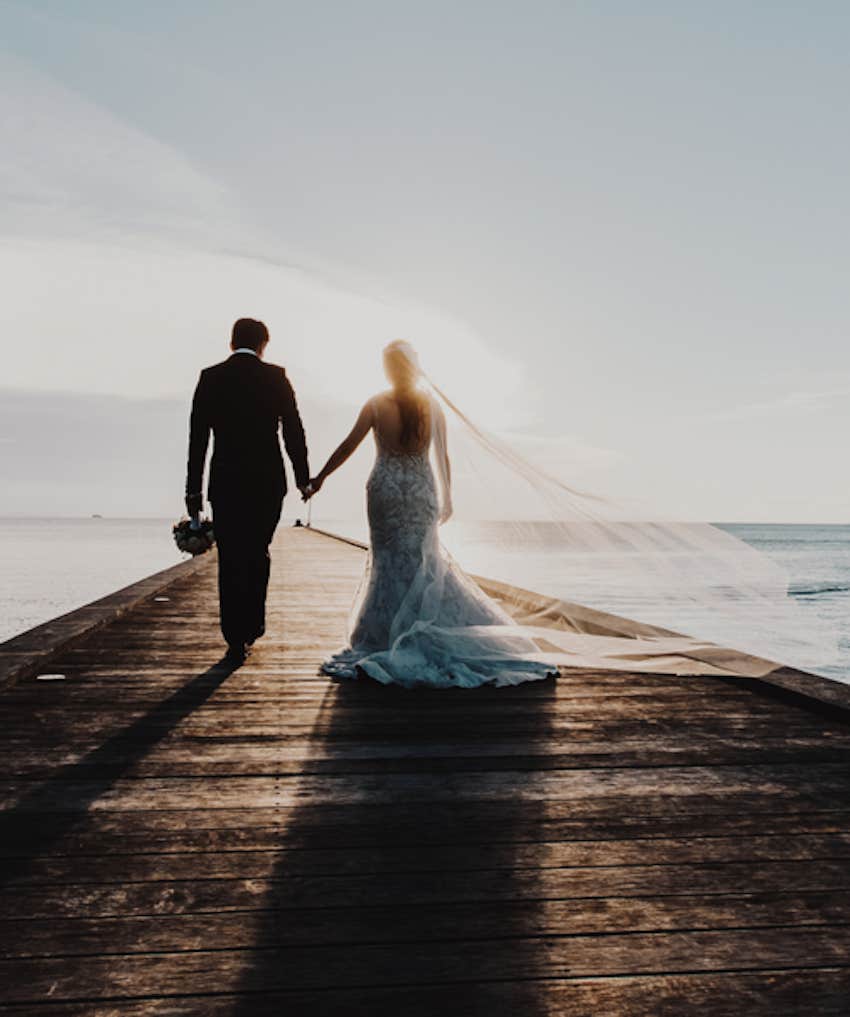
(312, 487)
(194, 504)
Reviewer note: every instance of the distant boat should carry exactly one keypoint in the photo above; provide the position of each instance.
(96, 515)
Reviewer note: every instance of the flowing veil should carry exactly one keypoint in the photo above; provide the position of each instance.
(598, 582)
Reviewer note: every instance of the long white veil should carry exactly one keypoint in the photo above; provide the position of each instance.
(602, 583)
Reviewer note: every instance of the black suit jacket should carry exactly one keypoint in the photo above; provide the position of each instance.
(243, 401)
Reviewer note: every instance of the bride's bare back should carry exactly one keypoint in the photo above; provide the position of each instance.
(402, 421)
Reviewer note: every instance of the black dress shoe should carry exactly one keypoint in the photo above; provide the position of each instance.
(256, 636)
(236, 653)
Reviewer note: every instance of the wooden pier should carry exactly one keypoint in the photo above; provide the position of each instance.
(182, 839)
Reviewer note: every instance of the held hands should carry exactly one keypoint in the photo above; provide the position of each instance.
(313, 487)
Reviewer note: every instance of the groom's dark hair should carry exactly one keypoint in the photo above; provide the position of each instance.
(248, 333)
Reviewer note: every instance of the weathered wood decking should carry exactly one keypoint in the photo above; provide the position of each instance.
(183, 840)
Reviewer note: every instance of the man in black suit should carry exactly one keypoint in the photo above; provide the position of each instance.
(243, 401)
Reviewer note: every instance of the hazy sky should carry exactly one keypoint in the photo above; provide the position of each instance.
(618, 230)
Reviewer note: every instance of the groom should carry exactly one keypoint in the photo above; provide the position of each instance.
(243, 401)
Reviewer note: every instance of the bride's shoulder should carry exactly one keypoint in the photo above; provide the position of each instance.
(373, 405)
(380, 399)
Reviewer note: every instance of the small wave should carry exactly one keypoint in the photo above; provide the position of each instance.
(817, 589)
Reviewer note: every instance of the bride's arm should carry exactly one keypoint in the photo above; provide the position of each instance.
(347, 448)
(444, 464)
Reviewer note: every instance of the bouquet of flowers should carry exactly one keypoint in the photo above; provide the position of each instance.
(193, 536)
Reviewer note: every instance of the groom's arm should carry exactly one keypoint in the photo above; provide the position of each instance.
(293, 433)
(199, 438)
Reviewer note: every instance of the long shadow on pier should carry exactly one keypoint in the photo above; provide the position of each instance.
(33, 824)
(401, 886)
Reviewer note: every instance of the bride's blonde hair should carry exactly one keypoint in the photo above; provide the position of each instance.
(401, 364)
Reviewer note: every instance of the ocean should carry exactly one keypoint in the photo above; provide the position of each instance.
(50, 566)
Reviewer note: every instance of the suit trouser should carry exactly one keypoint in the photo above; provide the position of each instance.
(244, 527)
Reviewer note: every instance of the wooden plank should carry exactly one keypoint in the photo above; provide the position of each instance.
(795, 993)
(482, 921)
(245, 864)
(454, 962)
(820, 784)
(297, 757)
(298, 890)
(210, 831)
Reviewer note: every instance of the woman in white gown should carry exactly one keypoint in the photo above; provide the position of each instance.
(418, 619)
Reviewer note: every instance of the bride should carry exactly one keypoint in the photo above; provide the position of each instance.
(419, 620)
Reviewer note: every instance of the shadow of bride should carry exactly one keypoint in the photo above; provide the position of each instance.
(406, 877)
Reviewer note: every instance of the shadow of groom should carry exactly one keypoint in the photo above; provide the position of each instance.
(60, 804)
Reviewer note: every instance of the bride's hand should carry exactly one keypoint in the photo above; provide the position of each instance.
(313, 487)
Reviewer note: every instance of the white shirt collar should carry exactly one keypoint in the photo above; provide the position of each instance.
(246, 349)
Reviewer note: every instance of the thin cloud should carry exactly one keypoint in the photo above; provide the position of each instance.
(77, 167)
(801, 401)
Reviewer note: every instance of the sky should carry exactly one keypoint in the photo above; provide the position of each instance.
(617, 233)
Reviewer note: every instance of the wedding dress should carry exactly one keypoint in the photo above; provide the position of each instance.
(582, 580)
(418, 619)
